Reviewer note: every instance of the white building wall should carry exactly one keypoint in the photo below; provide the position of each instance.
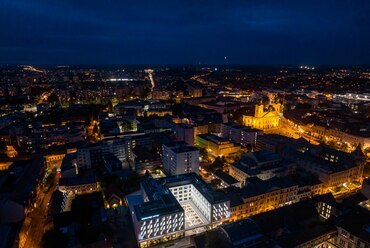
(220, 211)
(201, 202)
(156, 226)
(189, 192)
(182, 193)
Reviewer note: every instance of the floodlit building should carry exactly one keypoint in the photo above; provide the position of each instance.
(217, 145)
(265, 116)
(171, 206)
(259, 196)
(78, 185)
(334, 168)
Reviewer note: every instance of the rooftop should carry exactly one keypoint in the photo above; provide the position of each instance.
(357, 222)
(71, 181)
(183, 149)
(243, 231)
(213, 138)
(225, 177)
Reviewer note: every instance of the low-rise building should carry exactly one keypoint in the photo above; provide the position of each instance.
(334, 168)
(218, 146)
(260, 196)
(78, 185)
(297, 225)
(272, 142)
(226, 179)
(262, 164)
(245, 234)
(353, 229)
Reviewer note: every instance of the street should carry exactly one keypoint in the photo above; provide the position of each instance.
(32, 232)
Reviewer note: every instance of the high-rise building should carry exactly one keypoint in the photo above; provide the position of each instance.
(90, 157)
(117, 147)
(179, 158)
(240, 134)
(185, 133)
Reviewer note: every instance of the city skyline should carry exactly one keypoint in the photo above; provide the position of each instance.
(196, 33)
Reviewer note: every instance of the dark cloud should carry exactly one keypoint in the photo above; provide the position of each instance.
(179, 31)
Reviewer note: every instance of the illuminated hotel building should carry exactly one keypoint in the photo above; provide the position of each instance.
(265, 117)
(171, 206)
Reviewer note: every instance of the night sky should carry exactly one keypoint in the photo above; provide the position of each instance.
(185, 32)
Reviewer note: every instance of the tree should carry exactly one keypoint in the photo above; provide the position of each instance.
(96, 128)
(3, 146)
(217, 164)
(110, 106)
(203, 153)
(237, 115)
(88, 120)
(127, 125)
(53, 98)
(50, 178)
(215, 182)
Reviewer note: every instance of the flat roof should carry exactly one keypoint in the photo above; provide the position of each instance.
(71, 181)
(183, 149)
(213, 138)
(225, 177)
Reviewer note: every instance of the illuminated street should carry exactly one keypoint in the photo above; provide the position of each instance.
(36, 225)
